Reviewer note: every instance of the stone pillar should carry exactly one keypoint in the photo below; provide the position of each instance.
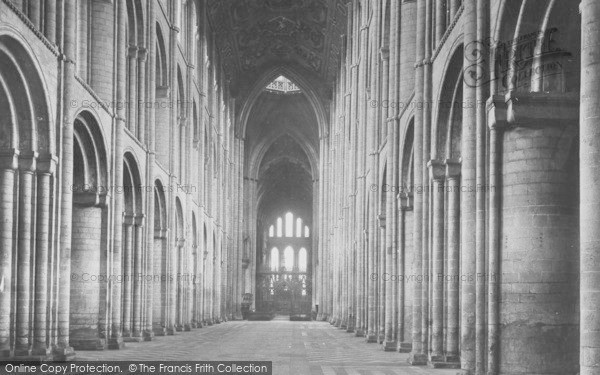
(404, 266)
(34, 11)
(138, 276)
(440, 20)
(116, 334)
(46, 168)
(27, 165)
(63, 350)
(467, 200)
(150, 181)
(128, 275)
(132, 90)
(589, 190)
(418, 355)
(454, 5)
(141, 95)
(453, 251)
(7, 198)
(422, 168)
(538, 304)
(436, 171)
(372, 144)
(50, 20)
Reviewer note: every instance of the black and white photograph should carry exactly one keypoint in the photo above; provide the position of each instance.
(300, 187)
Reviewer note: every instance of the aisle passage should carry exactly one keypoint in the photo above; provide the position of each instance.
(294, 348)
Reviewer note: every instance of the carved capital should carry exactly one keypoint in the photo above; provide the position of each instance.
(437, 170)
(452, 168)
(9, 159)
(28, 161)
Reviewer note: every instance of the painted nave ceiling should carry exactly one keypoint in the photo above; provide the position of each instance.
(256, 35)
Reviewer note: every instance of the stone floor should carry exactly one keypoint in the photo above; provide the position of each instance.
(294, 348)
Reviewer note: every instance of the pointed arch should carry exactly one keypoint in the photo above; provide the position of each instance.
(264, 80)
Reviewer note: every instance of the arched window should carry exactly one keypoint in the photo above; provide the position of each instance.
(289, 225)
(288, 258)
(306, 231)
(274, 259)
(302, 260)
(279, 227)
(271, 231)
(298, 227)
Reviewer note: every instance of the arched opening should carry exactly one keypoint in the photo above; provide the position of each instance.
(162, 97)
(26, 141)
(180, 289)
(88, 236)
(132, 248)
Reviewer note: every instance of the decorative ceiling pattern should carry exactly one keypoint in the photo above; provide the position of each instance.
(256, 34)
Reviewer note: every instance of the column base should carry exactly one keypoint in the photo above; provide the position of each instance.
(5, 353)
(135, 337)
(87, 343)
(148, 335)
(359, 333)
(179, 328)
(33, 355)
(371, 338)
(42, 353)
(444, 362)
(405, 347)
(187, 327)
(159, 331)
(171, 331)
(22, 353)
(390, 346)
(350, 329)
(417, 359)
(342, 326)
(63, 354)
(116, 343)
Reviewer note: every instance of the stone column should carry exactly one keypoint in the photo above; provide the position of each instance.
(467, 199)
(132, 90)
(405, 204)
(426, 184)
(27, 166)
(150, 158)
(7, 198)
(46, 167)
(116, 335)
(418, 356)
(372, 144)
(141, 95)
(50, 20)
(440, 20)
(589, 166)
(454, 6)
(436, 173)
(34, 10)
(453, 272)
(64, 351)
(138, 276)
(128, 275)
(538, 304)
